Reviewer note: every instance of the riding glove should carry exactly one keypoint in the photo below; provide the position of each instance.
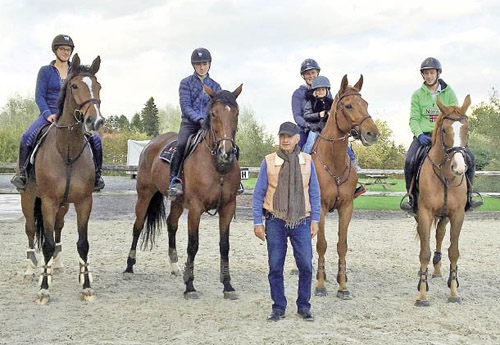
(424, 139)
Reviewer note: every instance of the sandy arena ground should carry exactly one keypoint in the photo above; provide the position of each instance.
(150, 308)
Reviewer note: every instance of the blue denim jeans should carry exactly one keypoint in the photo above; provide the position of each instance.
(277, 242)
(311, 138)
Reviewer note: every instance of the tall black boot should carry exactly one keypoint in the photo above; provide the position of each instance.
(97, 153)
(472, 204)
(175, 188)
(21, 178)
(241, 189)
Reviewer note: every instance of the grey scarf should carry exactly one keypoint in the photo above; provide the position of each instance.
(288, 201)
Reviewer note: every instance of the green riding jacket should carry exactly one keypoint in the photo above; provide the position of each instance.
(424, 110)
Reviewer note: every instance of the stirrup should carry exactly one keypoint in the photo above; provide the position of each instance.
(241, 189)
(19, 181)
(359, 191)
(175, 188)
(99, 184)
(473, 204)
(406, 204)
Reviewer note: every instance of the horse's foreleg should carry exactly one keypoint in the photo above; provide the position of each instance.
(321, 246)
(176, 210)
(425, 219)
(83, 210)
(453, 254)
(225, 216)
(436, 259)
(192, 250)
(58, 265)
(345, 216)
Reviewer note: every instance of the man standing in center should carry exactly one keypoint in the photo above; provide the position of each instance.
(287, 194)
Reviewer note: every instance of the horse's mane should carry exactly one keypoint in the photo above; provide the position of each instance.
(80, 69)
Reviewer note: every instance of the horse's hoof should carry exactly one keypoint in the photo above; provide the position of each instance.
(191, 295)
(43, 297)
(128, 275)
(344, 295)
(420, 303)
(175, 270)
(457, 300)
(231, 295)
(436, 275)
(294, 272)
(320, 292)
(88, 295)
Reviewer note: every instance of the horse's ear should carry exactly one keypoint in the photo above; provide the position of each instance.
(237, 92)
(440, 105)
(466, 104)
(359, 84)
(95, 65)
(75, 62)
(343, 84)
(208, 90)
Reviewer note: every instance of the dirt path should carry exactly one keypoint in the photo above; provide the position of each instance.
(150, 308)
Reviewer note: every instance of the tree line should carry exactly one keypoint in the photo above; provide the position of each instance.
(253, 138)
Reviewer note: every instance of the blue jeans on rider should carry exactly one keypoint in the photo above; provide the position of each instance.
(311, 138)
(277, 242)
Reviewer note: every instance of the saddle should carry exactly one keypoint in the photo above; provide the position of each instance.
(193, 141)
(415, 166)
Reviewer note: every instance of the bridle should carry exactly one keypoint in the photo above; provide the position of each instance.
(78, 115)
(214, 149)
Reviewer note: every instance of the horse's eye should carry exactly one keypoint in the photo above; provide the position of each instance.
(74, 86)
(349, 106)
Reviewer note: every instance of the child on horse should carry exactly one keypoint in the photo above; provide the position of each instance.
(48, 85)
(423, 116)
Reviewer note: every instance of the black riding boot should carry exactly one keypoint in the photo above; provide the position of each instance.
(175, 188)
(241, 189)
(472, 204)
(97, 153)
(21, 178)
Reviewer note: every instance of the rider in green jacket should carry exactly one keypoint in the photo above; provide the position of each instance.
(423, 117)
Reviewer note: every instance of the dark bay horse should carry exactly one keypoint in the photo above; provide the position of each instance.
(211, 176)
(442, 195)
(64, 174)
(337, 177)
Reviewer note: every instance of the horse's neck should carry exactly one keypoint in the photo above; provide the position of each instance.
(334, 144)
(69, 135)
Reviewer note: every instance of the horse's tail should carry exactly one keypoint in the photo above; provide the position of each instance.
(37, 213)
(155, 217)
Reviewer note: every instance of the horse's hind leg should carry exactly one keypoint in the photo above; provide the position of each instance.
(453, 254)
(58, 265)
(27, 206)
(83, 210)
(225, 215)
(321, 246)
(436, 259)
(141, 207)
(176, 209)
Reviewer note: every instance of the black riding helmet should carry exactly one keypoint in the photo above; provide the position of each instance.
(431, 63)
(62, 40)
(201, 55)
(308, 64)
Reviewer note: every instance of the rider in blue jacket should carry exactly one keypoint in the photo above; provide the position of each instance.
(48, 86)
(194, 102)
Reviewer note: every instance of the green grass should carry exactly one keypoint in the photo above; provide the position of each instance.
(372, 202)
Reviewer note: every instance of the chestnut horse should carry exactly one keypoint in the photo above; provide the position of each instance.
(211, 180)
(442, 195)
(337, 177)
(64, 174)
